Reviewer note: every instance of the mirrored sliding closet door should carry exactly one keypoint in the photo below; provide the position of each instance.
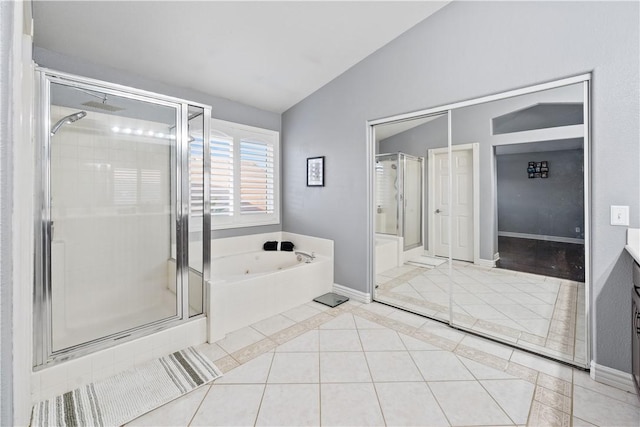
(411, 246)
(505, 250)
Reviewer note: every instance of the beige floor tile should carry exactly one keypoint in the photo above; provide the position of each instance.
(381, 309)
(440, 366)
(212, 351)
(513, 396)
(344, 321)
(541, 364)
(542, 415)
(339, 340)
(380, 340)
(176, 413)
(318, 306)
(302, 312)
(252, 372)
(409, 404)
(577, 422)
(366, 324)
(295, 368)
(483, 372)
(466, 403)
(408, 318)
(392, 366)
(273, 324)
(350, 405)
(309, 341)
(415, 344)
(443, 331)
(600, 409)
(230, 405)
(290, 405)
(488, 346)
(344, 367)
(236, 340)
(583, 379)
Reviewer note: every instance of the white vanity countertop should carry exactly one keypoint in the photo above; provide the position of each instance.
(633, 243)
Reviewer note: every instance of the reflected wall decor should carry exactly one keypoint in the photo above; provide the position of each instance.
(538, 169)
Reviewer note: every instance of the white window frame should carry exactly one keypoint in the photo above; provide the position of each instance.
(237, 219)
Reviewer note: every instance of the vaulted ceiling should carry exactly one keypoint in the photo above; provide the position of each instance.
(270, 55)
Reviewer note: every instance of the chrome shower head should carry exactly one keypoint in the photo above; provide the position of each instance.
(67, 119)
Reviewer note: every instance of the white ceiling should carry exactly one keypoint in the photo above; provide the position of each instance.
(270, 55)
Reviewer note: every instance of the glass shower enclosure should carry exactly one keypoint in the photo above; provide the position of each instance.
(123, 235)
(399, 197)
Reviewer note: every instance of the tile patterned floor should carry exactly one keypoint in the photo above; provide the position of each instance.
(539, 313)
(371, 364)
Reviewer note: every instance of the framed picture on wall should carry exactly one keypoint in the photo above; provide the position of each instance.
(315, 171)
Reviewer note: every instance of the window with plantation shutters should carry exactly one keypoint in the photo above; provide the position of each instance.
(256, 177)
(196, 176)
(222, 188)
(244, 175)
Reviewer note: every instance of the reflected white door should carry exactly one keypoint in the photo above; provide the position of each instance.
(455, 208)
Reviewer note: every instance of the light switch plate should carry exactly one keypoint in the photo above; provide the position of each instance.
(619, 215)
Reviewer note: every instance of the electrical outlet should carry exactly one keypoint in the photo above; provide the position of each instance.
(619, 215)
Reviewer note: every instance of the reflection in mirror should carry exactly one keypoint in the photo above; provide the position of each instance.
(195, 139)
(409, 273)
(518, 221)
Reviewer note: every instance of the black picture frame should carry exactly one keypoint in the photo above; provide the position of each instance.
(315, 171)
(538, 169)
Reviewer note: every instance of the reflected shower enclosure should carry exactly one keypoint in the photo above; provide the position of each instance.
(399, 198)
(122, 229)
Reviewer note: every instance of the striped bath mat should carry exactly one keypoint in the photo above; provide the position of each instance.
(125, 396)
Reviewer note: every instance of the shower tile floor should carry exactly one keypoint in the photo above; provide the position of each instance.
(372, 364)
(540, 313)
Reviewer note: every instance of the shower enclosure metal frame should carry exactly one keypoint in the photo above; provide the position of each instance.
(43, 353)
(401, 217)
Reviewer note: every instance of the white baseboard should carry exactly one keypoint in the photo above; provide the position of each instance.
(612, 377)
(541, 237)
(352, 293)
(485, 263)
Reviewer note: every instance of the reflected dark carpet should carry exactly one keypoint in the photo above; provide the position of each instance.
(555, 259)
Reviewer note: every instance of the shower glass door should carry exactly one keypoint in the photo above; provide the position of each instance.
(387, 194)
(412, 201)
(112, 204)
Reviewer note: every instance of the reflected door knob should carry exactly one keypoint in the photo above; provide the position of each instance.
(437, 210)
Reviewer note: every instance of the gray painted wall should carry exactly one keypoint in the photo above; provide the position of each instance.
(222, 108)
(467, 50)
(552, 206)
(6, 185)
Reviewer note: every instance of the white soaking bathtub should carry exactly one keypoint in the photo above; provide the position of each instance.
(247, 265)
(252, 286)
